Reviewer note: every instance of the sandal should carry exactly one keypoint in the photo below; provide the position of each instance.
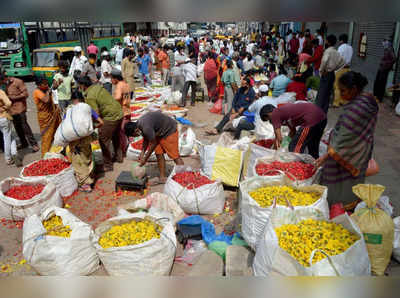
(85, 188)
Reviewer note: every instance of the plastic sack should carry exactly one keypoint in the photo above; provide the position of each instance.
(206, 199)
(287, 97)
(175, 98)
(252, 154)
(236, 121)
(396, 240)
(279, 155)
(64, 181)
(323, 144)
(137, 171)
(255, 217)
(153, 257)
(193, 250)
(76, 125)
(376, 225)
(52, 255)
(226, 140)
(221, 163)
(264, 130)
(187, 140)
(155, 203)
(271, 259)
(383, 204)
(397, 109)
(14, 209)
(217, 108)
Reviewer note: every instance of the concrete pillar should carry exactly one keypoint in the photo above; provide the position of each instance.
(351, 31)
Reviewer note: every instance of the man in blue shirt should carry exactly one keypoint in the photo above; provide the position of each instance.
(241, 102)
(144, 60)
(279, 84)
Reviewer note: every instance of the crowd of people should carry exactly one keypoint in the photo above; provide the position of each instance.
(227, 70)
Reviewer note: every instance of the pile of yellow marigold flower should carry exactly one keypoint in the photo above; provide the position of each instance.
(299, 240)
(131, 233)
(55, 227)
(264, 196)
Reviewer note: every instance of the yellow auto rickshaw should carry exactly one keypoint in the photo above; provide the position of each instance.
(45, 61)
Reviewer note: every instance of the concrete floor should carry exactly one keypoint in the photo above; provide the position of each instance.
(102, 203)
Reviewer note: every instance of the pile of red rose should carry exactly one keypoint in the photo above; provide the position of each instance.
(191, 180)
(267, 143)
(24, 192)
(137, 145)
(46, 167)
(298, 169)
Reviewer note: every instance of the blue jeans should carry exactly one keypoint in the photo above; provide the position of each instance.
(10, 145)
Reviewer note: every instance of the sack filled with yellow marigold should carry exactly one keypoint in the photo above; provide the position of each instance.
(258, 194)
(56, 242)
(136, 244)
(303, 242)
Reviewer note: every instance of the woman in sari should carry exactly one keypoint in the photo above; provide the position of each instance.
(351, 141)
(47, 112)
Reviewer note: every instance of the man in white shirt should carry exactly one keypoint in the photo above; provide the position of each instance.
(106, 69)
(127, 39)
(301, 42)
(319, 37)
(345, 50)
(177, 74)
(77, 62)
(189, 70)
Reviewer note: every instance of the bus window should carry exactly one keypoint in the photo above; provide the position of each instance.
(45, 59)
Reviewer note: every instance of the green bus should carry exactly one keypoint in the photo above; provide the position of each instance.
(18, 40)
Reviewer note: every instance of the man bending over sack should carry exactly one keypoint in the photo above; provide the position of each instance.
(310, 119)
(160, 134)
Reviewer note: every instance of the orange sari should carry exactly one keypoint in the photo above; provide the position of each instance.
(49, 119)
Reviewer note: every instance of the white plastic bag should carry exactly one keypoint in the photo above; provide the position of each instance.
(226, 140)
(396, 239)
(76, 125)
(255, 217)
(206, 199)
(154, 203)
(153, 257)
(187, 140)
(52, 255)
(264, 130)
(270, 258)
(287, 97)
(64, 181)
(174, 98)
(383, 204)
(278, 155)
(14, 209)
(236, 121)
(254, 152)
(323, 144)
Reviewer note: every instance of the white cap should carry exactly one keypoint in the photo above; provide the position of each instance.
(105, 53)
(263, 88)
(78, 49)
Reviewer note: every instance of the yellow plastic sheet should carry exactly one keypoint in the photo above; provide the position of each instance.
(227, 165)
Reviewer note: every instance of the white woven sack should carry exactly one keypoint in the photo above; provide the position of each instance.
(154, 257)
(187, 140)
(254, 217)
(206, 199)
(13, 209)
(76, 125)
(271, 259)
(254, 152)
(64, 181)
(277, 155)
(52, 255)
(396, 239)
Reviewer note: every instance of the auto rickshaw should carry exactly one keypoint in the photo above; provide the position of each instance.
(45, 61)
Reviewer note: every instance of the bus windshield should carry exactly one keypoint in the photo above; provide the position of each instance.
(45, 59)
(11, 37)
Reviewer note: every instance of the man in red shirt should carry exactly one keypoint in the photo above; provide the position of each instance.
(92, 49)
(294, 45)
(310, 119)
(317, 56)
(298, 86)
